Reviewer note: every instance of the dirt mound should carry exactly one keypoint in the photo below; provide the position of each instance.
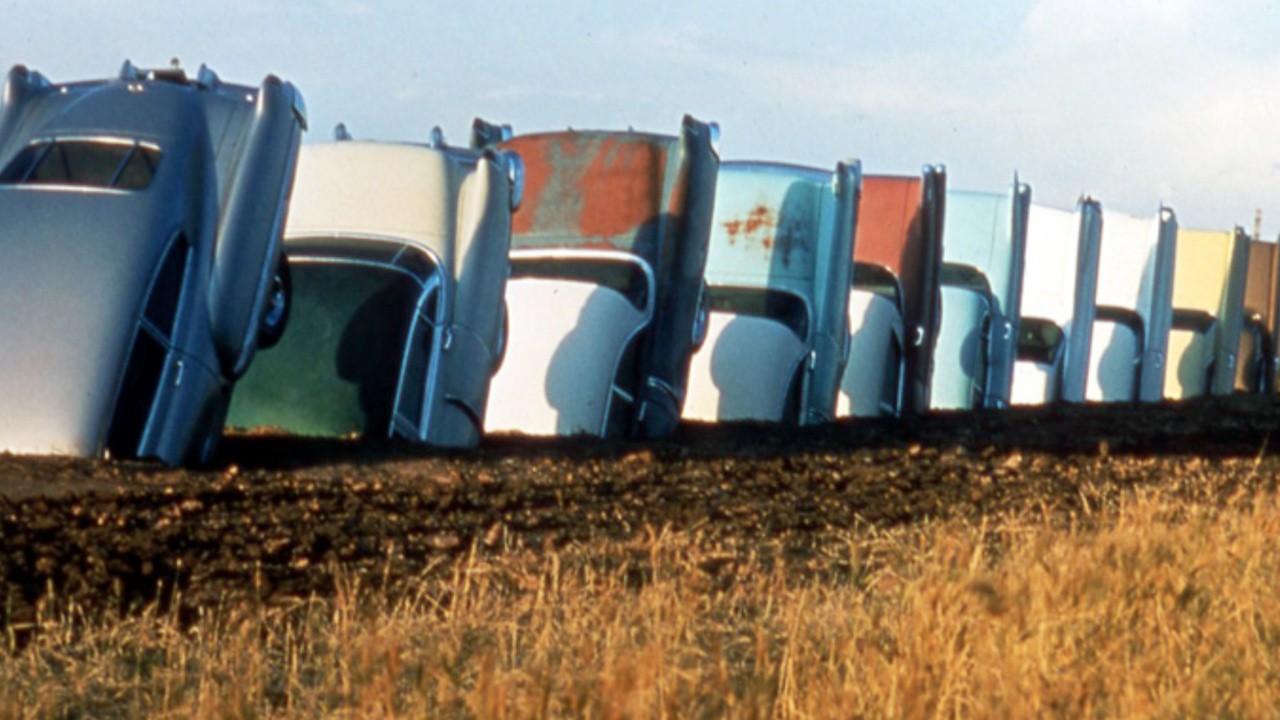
(277, 517)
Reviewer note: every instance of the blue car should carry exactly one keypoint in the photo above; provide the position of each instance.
(984, 239)
(778, 276)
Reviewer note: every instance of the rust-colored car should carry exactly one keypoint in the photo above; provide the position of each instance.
(894, 304)
(606, 298)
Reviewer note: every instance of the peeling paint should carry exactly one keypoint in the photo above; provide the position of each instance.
(763, 228)
(590, 188)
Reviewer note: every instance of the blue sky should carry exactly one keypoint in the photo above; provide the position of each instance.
(1132, 101)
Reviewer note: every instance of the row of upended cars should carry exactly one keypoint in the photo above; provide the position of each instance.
(166, 239)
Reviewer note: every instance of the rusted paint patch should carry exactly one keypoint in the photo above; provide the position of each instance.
(758, 219)
(622, 186)
(595, 186)
(756, 229)
(763, 227)
(537, 175)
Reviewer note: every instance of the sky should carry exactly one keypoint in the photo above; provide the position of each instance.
(1134, 102)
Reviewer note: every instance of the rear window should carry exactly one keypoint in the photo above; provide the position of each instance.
(627, 278)
(879, 280)
(784, 307)
(87, 163)
(336, 368)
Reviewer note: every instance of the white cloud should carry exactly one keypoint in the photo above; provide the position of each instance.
(1134, 101)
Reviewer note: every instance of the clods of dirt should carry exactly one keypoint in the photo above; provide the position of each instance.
(276, 517)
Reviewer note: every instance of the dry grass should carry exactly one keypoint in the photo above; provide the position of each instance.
(1154, 607)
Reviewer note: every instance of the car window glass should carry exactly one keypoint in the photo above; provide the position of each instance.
(627, 278)
(16, 170)
(80, 164)
(83, 162)
(138, 169)
(166, 292)
(877, 279)
(789, 309)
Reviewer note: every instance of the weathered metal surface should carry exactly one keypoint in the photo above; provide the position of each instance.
(1061, 277)
(777, 228)
(768, 219)
(1209, 277)
(353, 237)
(650, 196)
(83, 264)
(1135, 276)
(595, 189)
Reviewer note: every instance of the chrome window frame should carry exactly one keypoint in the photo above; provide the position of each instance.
(898, 296)
(51, 140)
(650, 305)
(899, 343)
(810, 328)
(1136, 324)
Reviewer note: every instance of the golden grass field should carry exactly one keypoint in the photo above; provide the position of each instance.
(1152, 603)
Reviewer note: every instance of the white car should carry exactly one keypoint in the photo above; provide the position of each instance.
(894, 299)
(1208, 304)
(1060, 281)
(778, 273)
(984, 239)
(1134, 307)
(398, 253)
(606, 295)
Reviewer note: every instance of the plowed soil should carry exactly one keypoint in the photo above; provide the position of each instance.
(275, 517)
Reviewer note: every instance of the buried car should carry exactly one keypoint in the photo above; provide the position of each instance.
(398, 263)
(141, 266)
(1208, 294)
(606, 295)
(1134, 308)
(1061, 278)
(984, 239)
(1258, 354)
(894, 296)
(778, 274)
